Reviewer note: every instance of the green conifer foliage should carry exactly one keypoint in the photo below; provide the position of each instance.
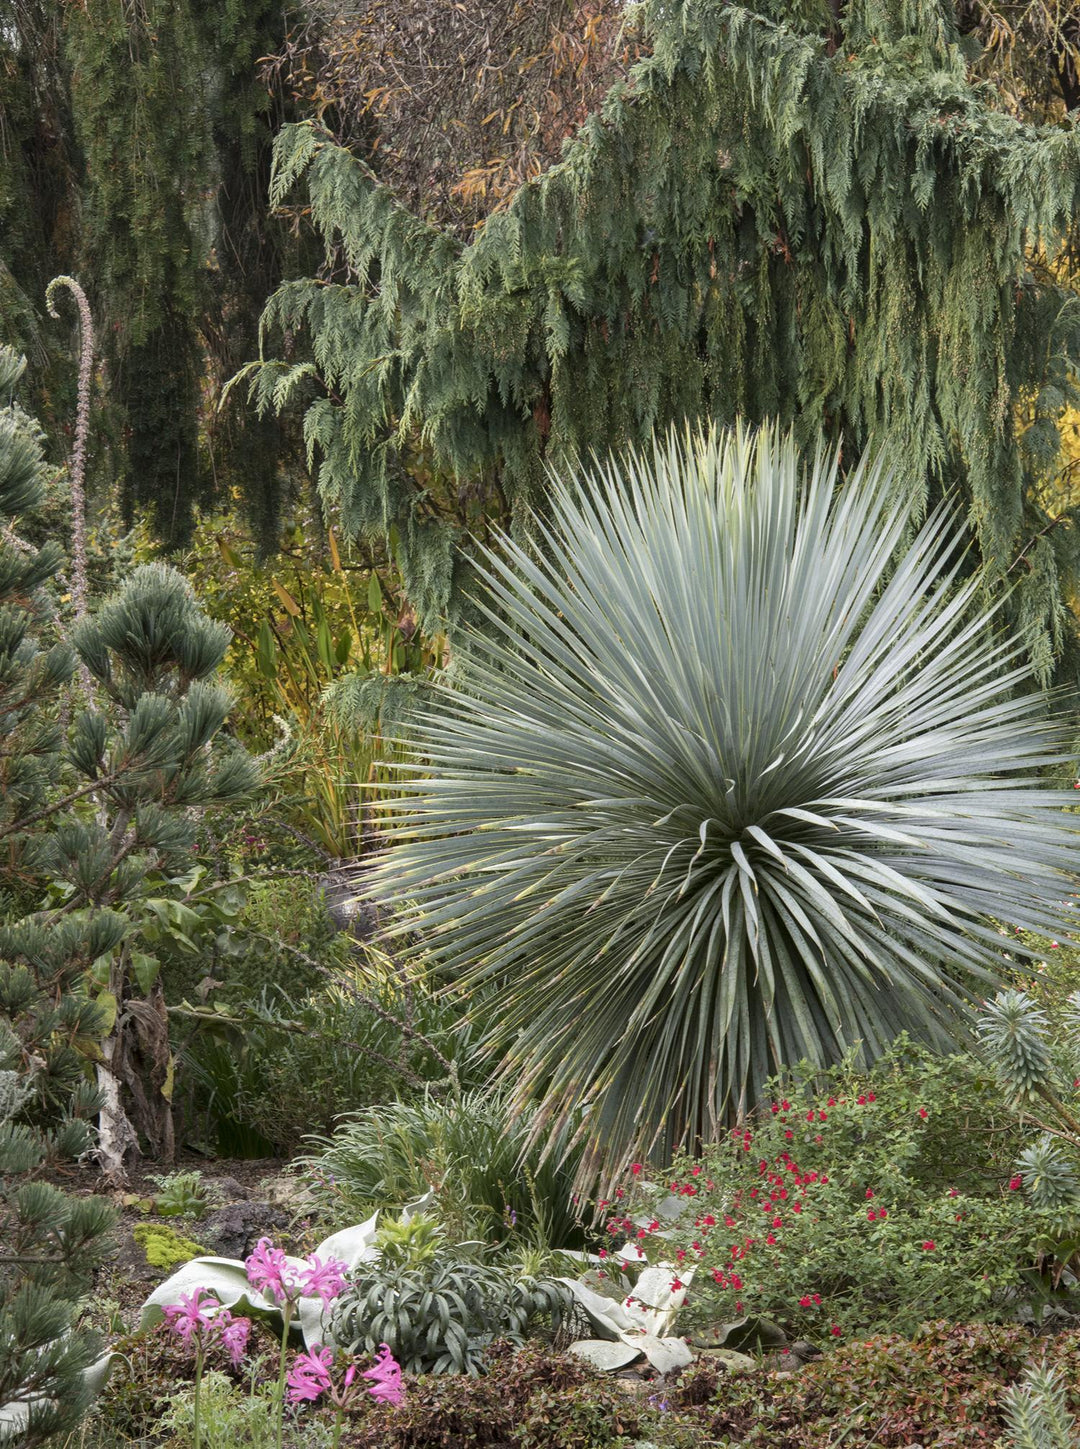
(97, 822)
(49, 1242)
(780, 213)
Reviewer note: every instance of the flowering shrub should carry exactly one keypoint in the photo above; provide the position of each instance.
(850, 1205)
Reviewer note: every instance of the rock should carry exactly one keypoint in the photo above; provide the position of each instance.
(729, 1359)
(233, 1231)
(228, 1189)
(631, 1383)
(805, 1351)
(344, 907)
(131, 1261)
(288, 1190)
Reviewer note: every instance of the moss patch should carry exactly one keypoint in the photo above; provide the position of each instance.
(165, 1248)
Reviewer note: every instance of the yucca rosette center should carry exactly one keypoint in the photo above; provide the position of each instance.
(737, 777)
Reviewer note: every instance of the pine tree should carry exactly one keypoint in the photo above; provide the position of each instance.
(95, 820)
(797, 210)
(49, 1242)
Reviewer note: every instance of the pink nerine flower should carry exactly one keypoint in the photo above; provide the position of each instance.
(385, 1377)
(193, 1315)
(270, 1271)
(266, 1269)
(234, 1335)
(310, 1375)
(323, 1280)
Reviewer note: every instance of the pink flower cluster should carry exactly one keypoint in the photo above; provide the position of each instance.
(199, 1318)
(310, 1377)
(269, 1270)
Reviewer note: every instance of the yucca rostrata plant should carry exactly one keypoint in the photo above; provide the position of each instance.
(737, 777)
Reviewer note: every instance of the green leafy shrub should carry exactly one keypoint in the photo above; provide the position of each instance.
(855, 1203)
(439, 1315)
(283, 1067)
(946, 1386)
(472, 1149)
(729, 787)
(180, 1194)
(150, 1367)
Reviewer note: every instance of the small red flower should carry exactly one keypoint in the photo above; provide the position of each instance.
(635, 1168)
(928, 1246)
(835, 1330)
(923, 1113)
(804, 1301)
(870, 1097)
(869, 1192)
(770, 1238)
(831, 1102)
(1015, 1183)
(882, 1212)
(861, 1101)
(796, 1207)
(871, 1216)
(789, 1134)
(817, 1299)
(675, 1285)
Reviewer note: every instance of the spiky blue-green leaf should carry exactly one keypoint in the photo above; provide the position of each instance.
(736, 778)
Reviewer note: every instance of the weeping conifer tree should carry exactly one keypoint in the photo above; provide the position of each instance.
(785, 211)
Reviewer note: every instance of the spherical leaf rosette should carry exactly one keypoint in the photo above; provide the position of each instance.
(741, 773)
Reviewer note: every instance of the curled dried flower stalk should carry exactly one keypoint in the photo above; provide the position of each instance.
(77, 469)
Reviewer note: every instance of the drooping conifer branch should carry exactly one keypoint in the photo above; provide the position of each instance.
(761, 221)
